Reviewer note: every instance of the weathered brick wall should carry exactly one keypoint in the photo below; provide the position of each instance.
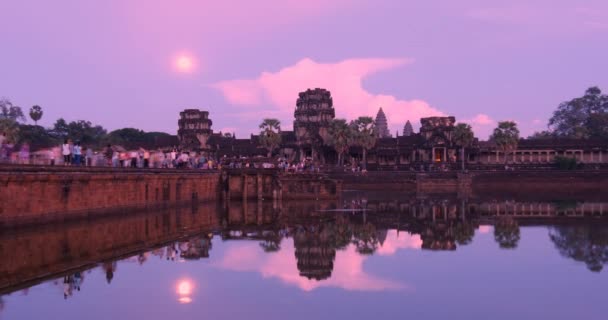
(30, 196)
(556, 183)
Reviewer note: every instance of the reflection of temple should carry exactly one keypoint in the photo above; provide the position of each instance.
(315, 251)
(196, 248)
(318, 233)
(434, 144)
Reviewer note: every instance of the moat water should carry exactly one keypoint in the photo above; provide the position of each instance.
(400, 258)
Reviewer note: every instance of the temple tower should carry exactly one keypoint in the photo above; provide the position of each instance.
(194, 128)
(382, 125)
(313, 116)
(408, 130)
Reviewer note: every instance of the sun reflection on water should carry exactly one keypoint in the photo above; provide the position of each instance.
(184, 289)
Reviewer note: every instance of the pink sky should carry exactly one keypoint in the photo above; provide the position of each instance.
(112, 62)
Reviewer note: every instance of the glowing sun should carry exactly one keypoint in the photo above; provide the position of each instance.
(184, 63)
(184, 288)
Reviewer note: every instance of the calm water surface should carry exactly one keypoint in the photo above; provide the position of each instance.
(304, 262)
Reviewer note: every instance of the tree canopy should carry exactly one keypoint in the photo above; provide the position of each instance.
(582, 117)
(10, 111)
(80, 130)
(463, 135)
(341, 137)
(506, 136)
(270, 136)
(365, 135)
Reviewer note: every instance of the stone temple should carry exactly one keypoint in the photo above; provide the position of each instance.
(432, 145)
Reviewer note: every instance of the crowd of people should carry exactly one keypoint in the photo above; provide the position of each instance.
(74, 153)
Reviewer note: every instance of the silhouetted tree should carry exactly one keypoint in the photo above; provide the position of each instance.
(506, 137)
(10, 111)
(340, 138)
(270, 136)
(364, 135)
(581, 117)
(463, 137)
(36, 113)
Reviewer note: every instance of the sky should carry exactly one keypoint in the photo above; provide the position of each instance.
(136, 63)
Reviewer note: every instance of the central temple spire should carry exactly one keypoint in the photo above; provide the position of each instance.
(382, 125)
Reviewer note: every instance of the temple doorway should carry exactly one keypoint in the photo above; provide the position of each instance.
(439, 154)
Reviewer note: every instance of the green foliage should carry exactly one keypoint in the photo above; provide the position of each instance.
(135, 138)
(36, 135)
(542, 135)
(506, 233)
(582, 117)
(586, 243)
(566, 163)
(36, 113)
(10, 111)
(506, 136)
(341, 137)
(80, 130)
(365, 135)
(463, 135)
(125, 136)
(10, 128)
(270, 136)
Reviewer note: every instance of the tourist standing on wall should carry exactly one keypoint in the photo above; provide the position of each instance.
(66, 151)
(133, 155)
(146, 159)
(107, 154)
(115, 158)
(24, 154)
(77, 152)
(89, 157)
(3, 151)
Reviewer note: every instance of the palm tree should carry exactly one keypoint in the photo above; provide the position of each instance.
(365, 135)
(36, 113)
(506, 137)
(340, 138)
(270, 136)
(463, 137)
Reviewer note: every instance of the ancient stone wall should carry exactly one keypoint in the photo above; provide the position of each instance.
(32, 196)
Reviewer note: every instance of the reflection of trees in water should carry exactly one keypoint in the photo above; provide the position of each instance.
(464, 231)
(506, 232)
(271, 241)
(343, 232)
(584, 243)
(367, 238)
